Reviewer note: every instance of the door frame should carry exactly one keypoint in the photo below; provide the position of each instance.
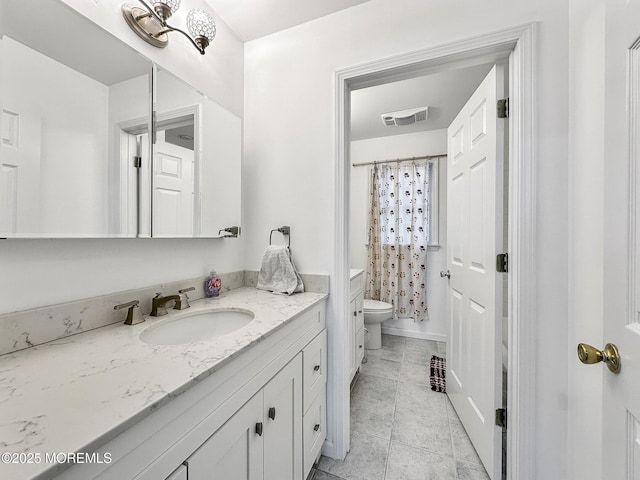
(520, 42)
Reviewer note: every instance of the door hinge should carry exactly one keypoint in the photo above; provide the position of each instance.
(137, 162)
(501, 417)
(502, 262)
(503, 108)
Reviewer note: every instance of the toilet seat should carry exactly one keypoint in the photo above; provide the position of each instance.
(376, 306)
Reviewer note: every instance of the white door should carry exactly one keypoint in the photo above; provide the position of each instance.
(235, 451)
(474, 238)
(20, 173)
(173, 189)
(621, 391)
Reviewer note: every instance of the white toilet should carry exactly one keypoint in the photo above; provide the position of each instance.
(375, 312)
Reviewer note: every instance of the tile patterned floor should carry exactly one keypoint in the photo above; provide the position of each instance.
(400, 428)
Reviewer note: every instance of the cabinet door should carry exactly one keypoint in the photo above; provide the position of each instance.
(359, 309)
(360, 346)
(283, 423)
(235, 451)
(353, 314)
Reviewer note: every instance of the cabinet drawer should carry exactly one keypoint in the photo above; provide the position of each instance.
(359, 346)
(314, 431)
(314, 364)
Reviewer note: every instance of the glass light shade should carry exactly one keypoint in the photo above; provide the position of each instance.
(173, 5)
(200, 24)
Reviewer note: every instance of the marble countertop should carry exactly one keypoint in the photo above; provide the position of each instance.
(354, 272)
(77, 393)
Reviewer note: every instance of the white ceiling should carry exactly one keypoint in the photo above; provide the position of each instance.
(251, 19)
(444, 93)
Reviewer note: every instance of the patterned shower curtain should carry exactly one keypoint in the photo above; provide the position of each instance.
(398, 238)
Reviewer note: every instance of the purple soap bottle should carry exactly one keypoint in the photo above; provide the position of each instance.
(212, 285)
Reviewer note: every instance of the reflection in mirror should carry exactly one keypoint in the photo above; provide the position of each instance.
(75, 107)
(196, 163)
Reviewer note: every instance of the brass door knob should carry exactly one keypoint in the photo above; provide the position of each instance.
(610, 356)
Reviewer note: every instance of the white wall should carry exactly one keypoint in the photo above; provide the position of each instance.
(36, 273)
(586, 261)
(73, 140)
(290, 151)
(402, 146)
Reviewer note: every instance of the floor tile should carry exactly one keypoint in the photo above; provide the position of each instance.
(462, 447)
(416, 464)
(381, 367)
(429, 432)
(471, 471)
(413, 373)
(419, 343)
(422, 398)
(451, 411)
(400, 428)
(420, 353)
(371, 387)
(325, 476)
(392, 348)
(372, 417)
(365, 461)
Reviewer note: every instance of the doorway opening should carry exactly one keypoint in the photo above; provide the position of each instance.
(517, 45)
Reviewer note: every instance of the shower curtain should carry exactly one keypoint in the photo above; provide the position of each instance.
(398, 238)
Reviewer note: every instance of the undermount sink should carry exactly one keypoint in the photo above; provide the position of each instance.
(197, 326)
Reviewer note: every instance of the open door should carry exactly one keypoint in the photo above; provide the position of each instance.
(620, 348)
(474, 238)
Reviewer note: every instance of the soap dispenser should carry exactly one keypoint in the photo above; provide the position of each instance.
(212, 284)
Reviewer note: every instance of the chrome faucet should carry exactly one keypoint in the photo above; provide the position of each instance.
(158, 303)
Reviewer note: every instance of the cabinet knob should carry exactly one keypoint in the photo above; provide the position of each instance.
(360, 346)
(355, 313)
(259, 428)
(272, 413)
(316, 368)
(316, 427)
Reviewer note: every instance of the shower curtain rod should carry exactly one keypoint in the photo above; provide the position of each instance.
(398, 160)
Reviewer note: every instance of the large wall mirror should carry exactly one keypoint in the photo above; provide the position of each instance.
(76, 156)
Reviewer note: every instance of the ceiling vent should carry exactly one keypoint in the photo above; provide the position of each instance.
(405, 117)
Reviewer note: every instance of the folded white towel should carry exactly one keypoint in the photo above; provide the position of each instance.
(278, 274)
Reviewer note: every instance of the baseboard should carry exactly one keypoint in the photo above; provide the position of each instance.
(401, 332)
(328, 449)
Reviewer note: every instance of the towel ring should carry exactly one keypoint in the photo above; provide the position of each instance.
(284, 231)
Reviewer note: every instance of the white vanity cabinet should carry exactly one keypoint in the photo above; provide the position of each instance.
(356, 325)
(261, 416)
(262, 439)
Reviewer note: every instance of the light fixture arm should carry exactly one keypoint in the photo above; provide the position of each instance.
(174, 29)
(142, 20)
(152, 12)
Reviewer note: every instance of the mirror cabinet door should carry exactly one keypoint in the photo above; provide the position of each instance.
(76, 156)
(196, 164)
(74, 118)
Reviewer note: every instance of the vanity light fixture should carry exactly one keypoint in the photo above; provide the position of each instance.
(150, 23)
